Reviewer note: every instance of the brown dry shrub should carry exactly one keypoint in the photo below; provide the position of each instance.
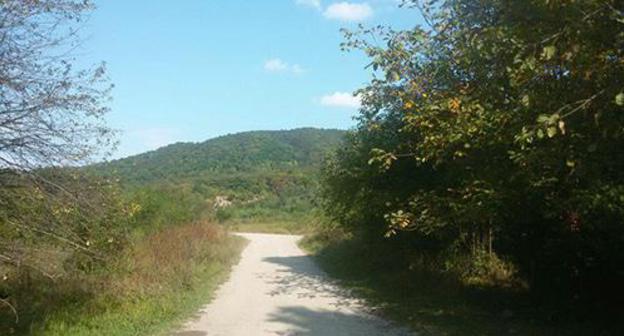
(168, 258)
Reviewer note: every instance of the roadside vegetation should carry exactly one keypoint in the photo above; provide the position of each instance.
(487, 159)
(81, 253)
(157, 262)
(162, 279)
(422, 293)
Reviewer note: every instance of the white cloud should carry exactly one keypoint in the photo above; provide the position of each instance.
(316, 4)
(277, 65)
(347, 11)
(341, 99)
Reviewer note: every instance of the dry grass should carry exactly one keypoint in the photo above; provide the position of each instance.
(161, 279)
(168, 258)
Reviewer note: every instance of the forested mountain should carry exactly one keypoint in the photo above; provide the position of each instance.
(234, 153)
(258, 175)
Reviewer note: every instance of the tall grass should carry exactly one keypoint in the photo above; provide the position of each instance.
(156, 283)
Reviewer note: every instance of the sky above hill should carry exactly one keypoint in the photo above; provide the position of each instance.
(192, 70)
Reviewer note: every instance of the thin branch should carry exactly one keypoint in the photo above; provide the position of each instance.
(8, 304)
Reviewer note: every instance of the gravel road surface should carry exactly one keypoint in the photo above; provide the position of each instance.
(276, 289)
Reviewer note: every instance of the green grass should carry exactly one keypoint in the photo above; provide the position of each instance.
(269, 226)
(430, 302)
(158, 284)
(143, 316)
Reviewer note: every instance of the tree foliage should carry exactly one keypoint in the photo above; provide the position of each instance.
(51, 115)
(229, 154)
(497, 127)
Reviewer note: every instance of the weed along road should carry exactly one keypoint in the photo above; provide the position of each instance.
(276, 289)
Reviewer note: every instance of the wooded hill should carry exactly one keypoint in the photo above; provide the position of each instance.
(240, 152)
(265, 174)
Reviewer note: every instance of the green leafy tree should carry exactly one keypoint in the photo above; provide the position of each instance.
(497, 127)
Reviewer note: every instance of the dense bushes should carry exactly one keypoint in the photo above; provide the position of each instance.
(60, 216)
(496, 131)
(90, 247)
(261, 194)
(159, 206)
(150, 286)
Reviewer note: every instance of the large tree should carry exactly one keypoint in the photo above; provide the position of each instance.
(497, 126)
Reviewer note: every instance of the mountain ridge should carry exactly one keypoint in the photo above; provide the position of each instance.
(247, 151)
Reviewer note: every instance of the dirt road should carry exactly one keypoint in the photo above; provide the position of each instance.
(277, 290)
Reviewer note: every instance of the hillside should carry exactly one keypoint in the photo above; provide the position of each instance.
(235, 153)
(249, 176)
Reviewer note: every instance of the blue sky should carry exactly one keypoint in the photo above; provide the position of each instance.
(192, 70)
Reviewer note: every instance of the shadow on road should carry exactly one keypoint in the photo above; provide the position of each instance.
(308, 322)
(299, 275)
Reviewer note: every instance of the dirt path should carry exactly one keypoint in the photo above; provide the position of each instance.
(277, 290)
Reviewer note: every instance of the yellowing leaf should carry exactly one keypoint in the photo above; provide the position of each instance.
(454, 105)
(549, 52)
(526, 100)
(551, 131)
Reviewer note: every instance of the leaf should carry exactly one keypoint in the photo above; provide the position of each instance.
(543, 118)
(561, 125)
(551, 131)
(549, 52)
(393, 76)
(526, 100)
(619, 99)
(540, 134)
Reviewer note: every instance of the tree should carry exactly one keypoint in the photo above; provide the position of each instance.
(51, 114)
(509, 118)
